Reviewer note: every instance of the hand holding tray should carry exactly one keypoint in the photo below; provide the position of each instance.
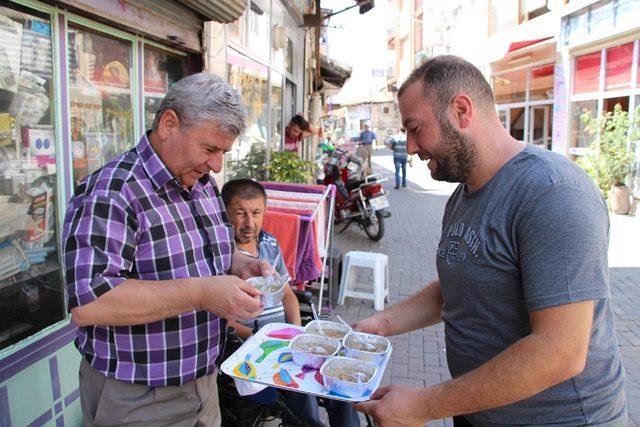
(265, 359)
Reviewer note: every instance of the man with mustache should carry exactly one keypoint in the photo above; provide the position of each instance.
(246, 202)
(522, 286)
(151, 267)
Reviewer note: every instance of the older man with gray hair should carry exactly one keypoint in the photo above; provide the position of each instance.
(151, 268)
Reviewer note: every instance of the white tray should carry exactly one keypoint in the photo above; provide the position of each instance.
(276, 368)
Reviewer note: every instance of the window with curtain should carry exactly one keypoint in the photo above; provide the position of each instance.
(618, 67)
(586, 74)
(542, 82)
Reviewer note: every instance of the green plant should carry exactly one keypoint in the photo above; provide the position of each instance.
(289, 167)
(610, 160)
(253, 165)
(283, 166)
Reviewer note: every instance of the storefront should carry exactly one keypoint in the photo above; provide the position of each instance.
(265, 61)
(597, 68)
(523, 83)
(79, 83)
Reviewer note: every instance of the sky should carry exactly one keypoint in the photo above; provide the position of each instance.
(360, 42)
(362, 38)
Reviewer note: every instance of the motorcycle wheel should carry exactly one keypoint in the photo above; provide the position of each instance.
(374, 228)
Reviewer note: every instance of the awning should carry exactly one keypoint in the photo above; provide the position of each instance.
(223, 11)
(334, 72)
(525, 43)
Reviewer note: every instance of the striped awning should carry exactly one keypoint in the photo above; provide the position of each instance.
(223, 11)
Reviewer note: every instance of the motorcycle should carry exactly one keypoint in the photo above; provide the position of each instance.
(360, 199)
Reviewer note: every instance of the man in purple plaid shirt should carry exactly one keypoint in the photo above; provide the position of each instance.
(151, 266)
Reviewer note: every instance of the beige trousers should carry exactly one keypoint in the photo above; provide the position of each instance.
(109, 402)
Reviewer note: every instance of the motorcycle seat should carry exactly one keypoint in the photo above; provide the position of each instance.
(353, 184)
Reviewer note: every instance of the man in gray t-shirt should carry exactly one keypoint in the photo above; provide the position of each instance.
(522, 283)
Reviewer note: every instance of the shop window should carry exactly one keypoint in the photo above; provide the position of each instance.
(618, 67)
(610, 103)
(161, 71)
(586, 75)
(638, 72)
(249, 78)
(510, 87)
(100, 99)
(31, 290)
(276, 110)
(541, 83)
(579, 136)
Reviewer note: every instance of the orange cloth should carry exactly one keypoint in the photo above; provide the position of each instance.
(286, 228)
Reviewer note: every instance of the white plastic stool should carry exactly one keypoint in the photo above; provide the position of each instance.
(380, 265)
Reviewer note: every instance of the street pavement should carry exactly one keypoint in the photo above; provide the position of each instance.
(410, 241)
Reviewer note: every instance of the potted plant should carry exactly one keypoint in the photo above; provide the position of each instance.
(289, 167)
(253, 165)
(283, 166)
(611, 160)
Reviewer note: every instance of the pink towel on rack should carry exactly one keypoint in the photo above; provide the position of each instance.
(316, 253)
(286, 228)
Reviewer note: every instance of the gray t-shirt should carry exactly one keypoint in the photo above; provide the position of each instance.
(535, 236)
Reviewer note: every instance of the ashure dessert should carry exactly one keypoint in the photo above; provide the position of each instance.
(366, 342)
(327, 329)
(351, 376)
(348, 377)
(318, 349)
(264, 284)
(272, 290)
(312, 350)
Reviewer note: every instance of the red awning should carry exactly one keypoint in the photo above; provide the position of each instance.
(519, 45)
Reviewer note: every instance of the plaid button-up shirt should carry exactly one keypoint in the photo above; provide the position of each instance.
(133, 219)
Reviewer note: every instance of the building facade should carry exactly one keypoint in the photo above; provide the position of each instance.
(548, 62)
(80, 81)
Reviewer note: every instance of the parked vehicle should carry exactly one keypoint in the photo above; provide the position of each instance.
(360, 199)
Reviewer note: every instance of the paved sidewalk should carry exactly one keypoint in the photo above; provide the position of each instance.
(410, 240)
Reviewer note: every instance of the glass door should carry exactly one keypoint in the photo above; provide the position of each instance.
(540, 126)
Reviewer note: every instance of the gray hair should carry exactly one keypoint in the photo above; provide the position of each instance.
(447, 76)
(204, 97)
